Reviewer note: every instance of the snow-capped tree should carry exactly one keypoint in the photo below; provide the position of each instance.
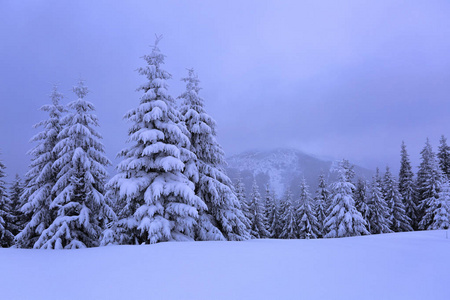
(275, 227)
(344, 219)
(349, 170)
(223, 219)
(240, 194)
(378, 209)
(41, 177)
(438, 210)
(308, 226)
(15, 196)
(257, 219)
(79, 206)
(429, 179)
(289, 218)
(406, 187)
(269, 204)
(6, 237)
(155, 178)
(321, 200)
(362, 199)
(397, 216)
(444, 157)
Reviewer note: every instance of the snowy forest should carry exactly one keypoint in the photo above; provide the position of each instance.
(171, 183)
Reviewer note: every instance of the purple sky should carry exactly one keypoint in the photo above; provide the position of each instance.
(335, 79)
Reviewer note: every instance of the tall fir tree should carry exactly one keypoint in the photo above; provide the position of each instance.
(241, 196)
(289, 218)
(275, 227)
(344, 219)
(321, 201)
(362, 200)
(437, 214)
(15, 197)
(223, 220)
(6, 237)
(397, 215)
(407, 188)
(378, 209)
(444, 156)
(80, 210)
(38, 192)
(257, 220)
(268, 207)
(428, 184)
(308, 225)
(154, 183)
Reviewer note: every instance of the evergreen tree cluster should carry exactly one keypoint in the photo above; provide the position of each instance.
(383, 205)
(171, 183)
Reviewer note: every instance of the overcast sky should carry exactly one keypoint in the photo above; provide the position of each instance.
(332, 78)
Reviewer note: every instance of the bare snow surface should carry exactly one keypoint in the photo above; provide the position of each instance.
(413, 265)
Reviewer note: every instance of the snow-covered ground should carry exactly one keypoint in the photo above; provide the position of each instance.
(414, 265)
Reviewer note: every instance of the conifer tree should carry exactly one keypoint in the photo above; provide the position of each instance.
(308, 226)
(41, 177)
(349, 170)
(343, 219)
(321, 201)
(444, 157)
(240, 194)
(439, 209)
(275, 228)
(397, 216)
(362, 200)
(6, 237)
(289, 219)
(79, 207)
(406, 187)
(429, 179)
(257, 220)
(378, 209)
(223, 219)
(15, 196)
(268, 208)
(155, 178)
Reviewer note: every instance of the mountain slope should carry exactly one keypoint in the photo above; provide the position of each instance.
(282, 169)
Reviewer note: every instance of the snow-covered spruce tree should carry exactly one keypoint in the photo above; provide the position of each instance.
(275, 227)
(428, 183)
(378, 210)
(406, 187)
(269, 204)
(349, 170)
(308, 226)
(81, 212)
(321, 200)
(257, 219)
(15, 196)
(289, 218)
(240, 194)
(6, 237)
(154, 178)
(224, 219)
(362, 199)
(439, 209)
(397, 216)
(344, 219)
(444, 157)
(41, 177)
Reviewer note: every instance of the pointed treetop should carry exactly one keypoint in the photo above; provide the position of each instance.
(80, 90)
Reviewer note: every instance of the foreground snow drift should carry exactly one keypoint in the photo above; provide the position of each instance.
(414, 265)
